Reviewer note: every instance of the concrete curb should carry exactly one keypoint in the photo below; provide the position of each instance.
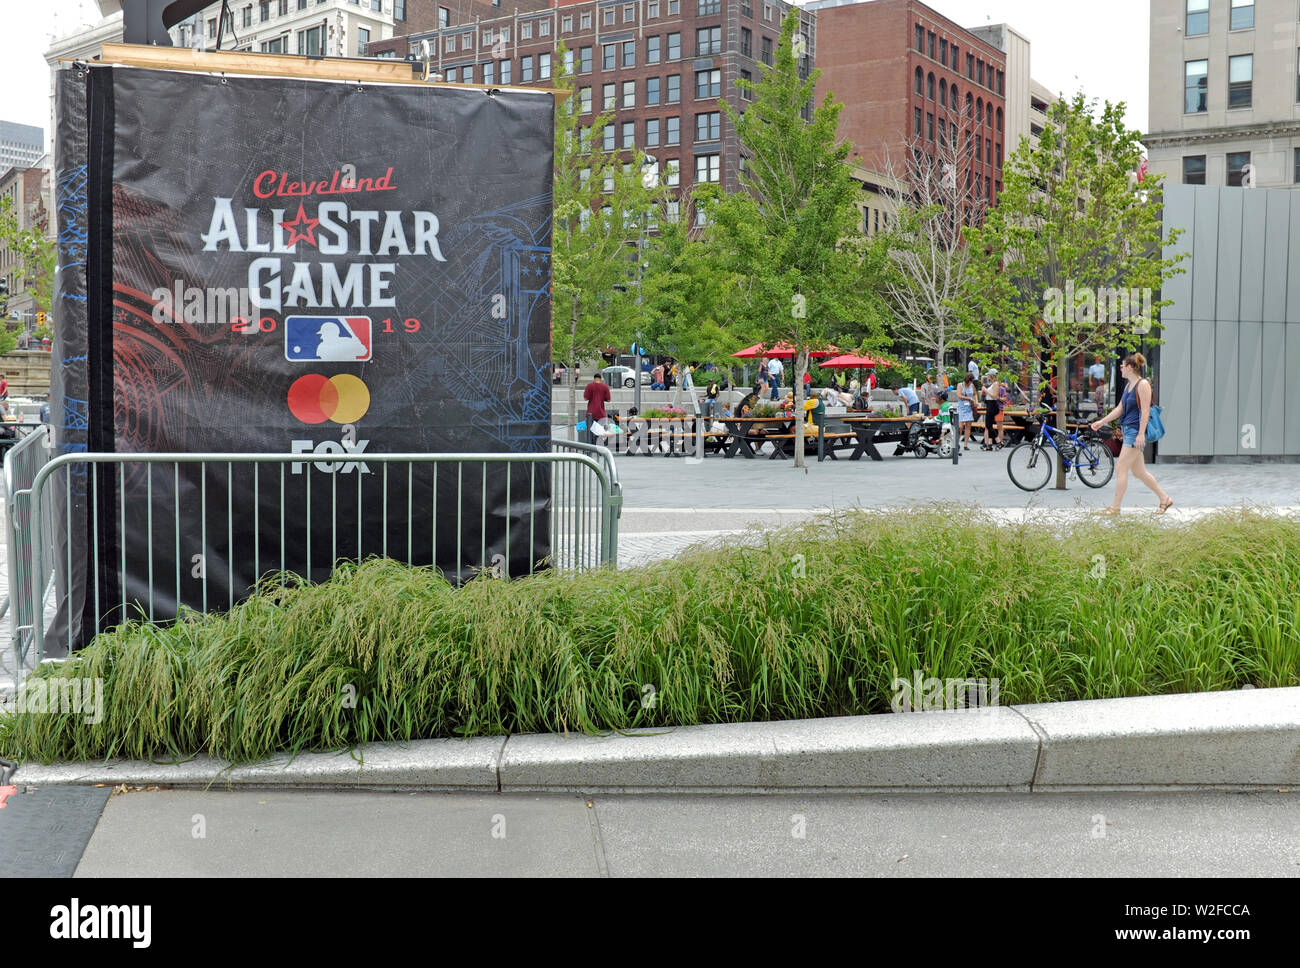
(1228, 740)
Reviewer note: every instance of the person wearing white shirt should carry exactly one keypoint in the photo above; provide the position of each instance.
(774, 368)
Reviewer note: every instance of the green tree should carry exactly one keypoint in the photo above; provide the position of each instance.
(35, 256)
(1074, 232)
(599, 197)
(791, 237)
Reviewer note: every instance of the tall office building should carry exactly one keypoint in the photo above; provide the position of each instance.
(1027, 99)
(21, 145)
(1225, 92)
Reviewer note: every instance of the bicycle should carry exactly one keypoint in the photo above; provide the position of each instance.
(1030, 468)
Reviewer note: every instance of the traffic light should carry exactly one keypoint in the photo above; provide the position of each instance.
(40, 319)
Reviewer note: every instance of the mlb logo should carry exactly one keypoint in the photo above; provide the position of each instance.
(327, 339)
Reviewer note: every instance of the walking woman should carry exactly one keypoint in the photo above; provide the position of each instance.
(1133, 412)
(966, 408)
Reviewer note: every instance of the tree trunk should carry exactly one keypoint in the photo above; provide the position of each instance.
(1062, 396)
(800, 368)
(572, 371)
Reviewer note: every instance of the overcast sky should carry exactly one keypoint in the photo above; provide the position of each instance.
(1100, 46)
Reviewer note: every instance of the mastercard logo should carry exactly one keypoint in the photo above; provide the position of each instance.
(343, 399)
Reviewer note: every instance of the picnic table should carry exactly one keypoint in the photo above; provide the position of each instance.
(870, 430)
(648, 435)
(749, 434)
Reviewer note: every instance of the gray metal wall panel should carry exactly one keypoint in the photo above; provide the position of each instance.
(1293, 273)
(1206, 259)
(1227, 295)
(1179, 212)
(1253, 231)
(1291, 401)
(1250, 371)
(1277, 255)
(1175, 383)
(1273, 388)
(1200, 410)
(1223, 385)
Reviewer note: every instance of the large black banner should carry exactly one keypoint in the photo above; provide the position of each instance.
(294, 266)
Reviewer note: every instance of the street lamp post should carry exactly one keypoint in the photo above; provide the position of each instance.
(649, 179)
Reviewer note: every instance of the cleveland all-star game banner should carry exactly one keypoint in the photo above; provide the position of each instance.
(298, 266)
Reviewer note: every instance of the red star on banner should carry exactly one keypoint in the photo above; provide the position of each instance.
(307, 234)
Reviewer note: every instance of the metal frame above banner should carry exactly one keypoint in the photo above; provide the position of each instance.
(348, 69)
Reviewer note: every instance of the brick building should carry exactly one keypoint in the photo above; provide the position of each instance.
(659, 65)
(907, 74)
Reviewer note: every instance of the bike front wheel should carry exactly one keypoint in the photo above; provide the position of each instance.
(1030, 467)
(1095, 463)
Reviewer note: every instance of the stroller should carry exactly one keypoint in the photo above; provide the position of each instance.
(927, 437)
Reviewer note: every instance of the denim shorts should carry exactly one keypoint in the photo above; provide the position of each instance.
(1130, 436)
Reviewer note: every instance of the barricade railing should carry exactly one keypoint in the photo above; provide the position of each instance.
(21, 465)
(155, 506)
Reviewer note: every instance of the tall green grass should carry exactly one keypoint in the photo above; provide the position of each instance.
(722, 635)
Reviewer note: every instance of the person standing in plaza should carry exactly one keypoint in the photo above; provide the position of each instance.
(909, 399)
(929, 395)
(597, 395)
(966, 408)
(1133, 412)
(775, 368)
(973, 368)
(992, 407)
(710, 397)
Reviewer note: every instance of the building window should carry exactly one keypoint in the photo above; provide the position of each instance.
(629, 13)
(652, 133)
(363, 38)
(526, 30)
(746, 42)
(708, 41)
(566, 24)
(1194, 170)
(929, 87)
(505, 72)
(674, 47)
(979, 72)
(1237, 162)
(489, 73)
(674, 89)
(487, 37)
(543, 28)
(747, 8)
(526, 70)
(1297, 76)
(607, 138)
(943, 93)
(708, 83)
(629, 94)
(708, 168)
(584, 61)
(453, 75)
(449, 44)
(932, 45)
(672, 172)
(629, 134)
(673, 131)
(629, 53)
(929, 126)
(652, 50)
(767, 51)
(466, 41)
(1243, 14)
(1196, 87)
(703, 7)
(652, 9)
(568, 62)
(916, 121)
(970, 66)
(607, 97)
(1241, 72)
(264, 10)
(543, 66)
(273, 46)
(651, 90)
(309, 42)
(609, 56)
(377, 6)
(708, 126)
(672, 211)
(746, 92)
(584, 100)
(674, 7)
(767, 12)
(943, 51)
(248, 18)
(1297, 166)
(920, 38)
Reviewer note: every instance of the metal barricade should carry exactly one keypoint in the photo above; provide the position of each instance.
(576, 487)
(22, 464)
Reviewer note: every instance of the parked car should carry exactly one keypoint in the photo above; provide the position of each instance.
(623, 376)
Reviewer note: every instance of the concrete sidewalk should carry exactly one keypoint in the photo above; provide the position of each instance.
(1243, 740)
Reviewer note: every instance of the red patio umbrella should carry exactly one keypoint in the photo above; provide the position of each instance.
(849, 362)
(783, 350)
